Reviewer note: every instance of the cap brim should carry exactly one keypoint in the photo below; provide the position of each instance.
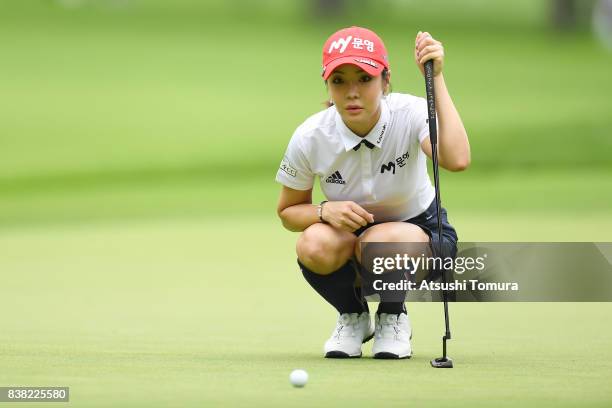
(370, 69)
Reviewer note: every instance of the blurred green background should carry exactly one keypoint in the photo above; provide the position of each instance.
(124, 109)
(139, 141)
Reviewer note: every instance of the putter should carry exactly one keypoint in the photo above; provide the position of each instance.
(444, 361)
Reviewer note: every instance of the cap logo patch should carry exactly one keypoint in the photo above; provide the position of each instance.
(357, 43)
(340, 44)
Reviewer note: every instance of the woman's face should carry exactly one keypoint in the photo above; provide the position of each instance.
(357, 96)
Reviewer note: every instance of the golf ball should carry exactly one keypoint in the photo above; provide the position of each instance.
(298, 378)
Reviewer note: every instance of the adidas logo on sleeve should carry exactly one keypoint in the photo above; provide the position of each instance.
(335, 178)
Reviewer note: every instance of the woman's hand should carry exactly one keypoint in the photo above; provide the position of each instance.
(427, 48)
(346, 215)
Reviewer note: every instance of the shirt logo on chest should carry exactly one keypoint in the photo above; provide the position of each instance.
(335, 178)
(387, 167)
(401, 162)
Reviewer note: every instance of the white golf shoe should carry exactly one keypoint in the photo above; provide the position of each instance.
(392, 338)
(352, 330)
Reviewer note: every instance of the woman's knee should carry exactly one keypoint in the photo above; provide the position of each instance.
(324, 250)
(394, 232)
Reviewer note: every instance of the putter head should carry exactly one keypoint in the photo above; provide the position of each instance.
(442, 362)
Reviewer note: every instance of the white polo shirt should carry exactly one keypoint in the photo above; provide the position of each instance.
(389, 180)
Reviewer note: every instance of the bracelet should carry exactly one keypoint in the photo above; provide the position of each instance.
(320, 212)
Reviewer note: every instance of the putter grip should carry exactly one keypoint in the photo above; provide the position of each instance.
(431, 104)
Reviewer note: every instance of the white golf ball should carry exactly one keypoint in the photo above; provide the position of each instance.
(298, 378)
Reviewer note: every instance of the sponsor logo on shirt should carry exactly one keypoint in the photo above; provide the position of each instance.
(387, 167)
(288, 168)
(335, 178)
(382, 133)
(401, 162)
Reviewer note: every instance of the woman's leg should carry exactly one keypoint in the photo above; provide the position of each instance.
(393, 232)
(324, 255)
(393, 331)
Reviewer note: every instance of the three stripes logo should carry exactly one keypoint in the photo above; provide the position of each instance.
(335, 178)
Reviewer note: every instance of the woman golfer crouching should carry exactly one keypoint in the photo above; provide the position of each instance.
(369, 150)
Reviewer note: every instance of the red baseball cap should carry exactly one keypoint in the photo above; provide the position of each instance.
(355, 45)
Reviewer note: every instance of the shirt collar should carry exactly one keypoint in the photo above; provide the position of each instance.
(376, 135)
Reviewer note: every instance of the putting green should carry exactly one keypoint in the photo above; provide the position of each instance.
(195, 312)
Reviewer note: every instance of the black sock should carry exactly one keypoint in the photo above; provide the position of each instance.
(337, 288)
(359, 296)
(391, 308)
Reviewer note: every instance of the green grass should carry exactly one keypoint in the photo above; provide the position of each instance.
(96, 90)
(193, 312)
(566, 196)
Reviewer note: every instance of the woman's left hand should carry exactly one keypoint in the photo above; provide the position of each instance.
(427, 48)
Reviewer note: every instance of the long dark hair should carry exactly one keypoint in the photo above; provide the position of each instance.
(385, 77)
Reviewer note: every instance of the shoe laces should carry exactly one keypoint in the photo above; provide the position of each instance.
(346, 321)
(389, 323)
